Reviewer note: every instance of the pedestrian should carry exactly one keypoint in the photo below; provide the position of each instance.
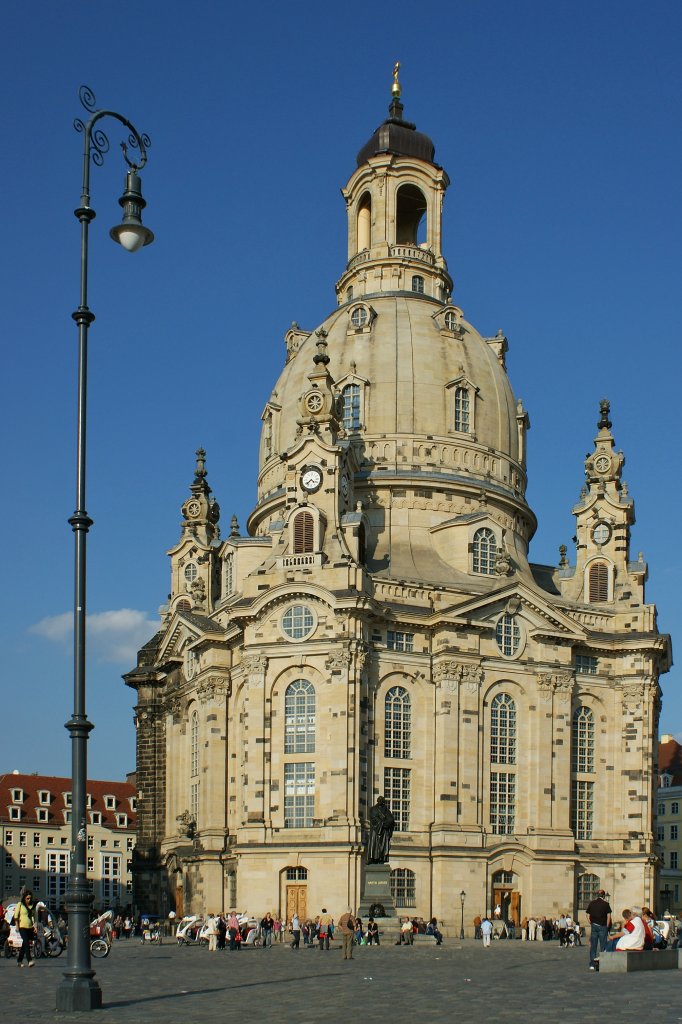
(347, 928)
(562, 925)
(24, 919)
(221, 925)
(435, 931)
(324, 928)
(277, 928)
(233, 930)
(599, 916)
(212, 932)
(477, 926)
(266, 927)
(296, 931)
(486, 931)
(372, 932)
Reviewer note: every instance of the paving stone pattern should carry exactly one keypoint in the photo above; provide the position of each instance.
(510, 982)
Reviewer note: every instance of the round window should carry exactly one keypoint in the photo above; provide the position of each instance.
(508, 635)
(601, 533)
(191, 572)
(298, 622)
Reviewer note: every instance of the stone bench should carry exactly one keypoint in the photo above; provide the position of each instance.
(646, 960)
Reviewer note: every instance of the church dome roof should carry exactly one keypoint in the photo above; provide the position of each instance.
(397, 136)
(411, 367)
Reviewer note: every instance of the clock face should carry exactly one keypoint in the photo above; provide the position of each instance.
(311, 478)
(193, 509)
(602, 463)
(601, 533)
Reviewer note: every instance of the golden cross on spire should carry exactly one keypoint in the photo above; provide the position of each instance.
(395, 88)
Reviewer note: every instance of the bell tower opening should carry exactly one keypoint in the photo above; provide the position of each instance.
(365, 222)
(410, 219)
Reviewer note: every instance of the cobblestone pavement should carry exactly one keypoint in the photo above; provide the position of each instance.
(510, 982)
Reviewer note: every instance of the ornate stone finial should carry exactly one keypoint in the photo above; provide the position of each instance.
(234, 527)
(200, 471)
(321, 358)
(395, 88)
(563, 560)
(604, 410)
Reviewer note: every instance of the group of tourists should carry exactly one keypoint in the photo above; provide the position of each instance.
(639, 931)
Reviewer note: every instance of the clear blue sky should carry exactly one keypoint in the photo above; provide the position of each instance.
(559, 125)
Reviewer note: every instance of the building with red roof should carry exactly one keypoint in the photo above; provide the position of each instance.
(35, 832)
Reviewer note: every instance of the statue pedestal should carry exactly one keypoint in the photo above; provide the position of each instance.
(376, 900)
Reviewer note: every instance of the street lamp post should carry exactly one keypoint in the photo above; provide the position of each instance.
(462, 897)
(78, 989)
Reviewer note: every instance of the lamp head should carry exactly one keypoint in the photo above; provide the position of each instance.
(131, 232)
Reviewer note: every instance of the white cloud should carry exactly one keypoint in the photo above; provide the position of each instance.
(114, 636)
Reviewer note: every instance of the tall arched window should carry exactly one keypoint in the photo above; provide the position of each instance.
(502, 752)
(397, 723)
(418, 284)
(503, 730)
(484, 552)
(462, 418)
(583, 741)
(365, 222)
(299, 718)
(194, 766)
(582, 773)
(303, 533)
(403, 887)
(228, 574)
(599, 582)
(508, 635)
(351, 406)
(410, 208)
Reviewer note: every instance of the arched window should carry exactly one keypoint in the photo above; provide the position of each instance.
(450, 320)
(418, 284)
(228, 574)
(303, 533)
(194, 766)
(582, 770)
(503, 730)
(599, 582)
(462, 418)
(359, 316)
(502, 752)
(299, 718)
(403, 887)
(484, 552)
(508, 635)
(588, 887)
(582, 759)
(191, 572)
(410, 221)
(351, 406)
(365, 222)
(397, 723)
(194, 744)
(349, 294)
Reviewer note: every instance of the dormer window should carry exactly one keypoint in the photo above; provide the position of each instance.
(418, 284)
(67, 817)
(349, 294)
(350, 397)
(450, 320)
(110, 803)
(484, 552)
(133, 803)
(359, 316)
(228, 574)
(67, 799)
(17, 796)
(42, 814)
(44, 797)
(122, 820)
(462, 409)
(666, 780)
(96, 817)
(15, 814)
(88, 801)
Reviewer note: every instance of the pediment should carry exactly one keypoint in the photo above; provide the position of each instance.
(540, 615)
(184, 629)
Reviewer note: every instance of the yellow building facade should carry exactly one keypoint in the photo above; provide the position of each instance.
(380, 628)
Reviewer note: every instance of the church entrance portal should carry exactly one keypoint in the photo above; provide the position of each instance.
(506, 900)
(297, 902)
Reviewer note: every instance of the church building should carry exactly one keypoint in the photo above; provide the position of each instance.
(380, 630)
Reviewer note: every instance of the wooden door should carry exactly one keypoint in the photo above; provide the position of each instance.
(179, 902)
(515, 908)
(297, 902)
